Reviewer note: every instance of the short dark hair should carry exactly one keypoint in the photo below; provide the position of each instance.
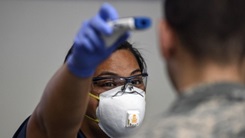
(126, 45)
(213, 29)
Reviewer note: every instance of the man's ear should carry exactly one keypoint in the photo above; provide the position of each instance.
(166, 39)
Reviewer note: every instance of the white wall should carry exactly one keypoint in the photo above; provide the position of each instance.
(34, 39)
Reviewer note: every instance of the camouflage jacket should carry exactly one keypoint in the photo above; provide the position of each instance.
(210, 111)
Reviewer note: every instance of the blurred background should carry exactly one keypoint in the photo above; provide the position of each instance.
(35, 36)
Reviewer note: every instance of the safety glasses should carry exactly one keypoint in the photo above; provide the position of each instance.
(101, 84)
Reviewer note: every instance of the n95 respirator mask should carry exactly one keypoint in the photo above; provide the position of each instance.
(120, 113)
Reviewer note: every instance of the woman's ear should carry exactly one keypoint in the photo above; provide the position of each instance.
(166, 39)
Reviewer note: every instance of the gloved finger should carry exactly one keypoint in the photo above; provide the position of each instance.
(100, 25)
(80, 34)
(87, 45)
(83, 37)
(123, 38)
(108, 12)
(94, 37)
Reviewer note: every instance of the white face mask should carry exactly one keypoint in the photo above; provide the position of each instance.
(120, 113)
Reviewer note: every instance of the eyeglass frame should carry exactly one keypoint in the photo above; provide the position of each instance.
(127, 79)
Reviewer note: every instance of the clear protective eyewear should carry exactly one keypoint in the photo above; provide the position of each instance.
(101, 84)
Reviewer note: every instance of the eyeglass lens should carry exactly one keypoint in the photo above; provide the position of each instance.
(107, 83)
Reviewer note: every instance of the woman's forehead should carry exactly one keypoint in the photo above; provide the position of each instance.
(121, 62)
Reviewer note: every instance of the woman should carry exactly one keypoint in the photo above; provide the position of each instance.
(98, 92)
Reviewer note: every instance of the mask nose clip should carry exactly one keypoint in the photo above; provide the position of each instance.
(127, 86)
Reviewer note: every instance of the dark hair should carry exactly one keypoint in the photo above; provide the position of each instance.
(212, 29)
(128, 46)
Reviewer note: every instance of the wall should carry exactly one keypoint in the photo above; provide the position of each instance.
(34, 39)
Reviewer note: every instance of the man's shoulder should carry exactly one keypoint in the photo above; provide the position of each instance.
(209, 98)
(210, 119)
(217, 113)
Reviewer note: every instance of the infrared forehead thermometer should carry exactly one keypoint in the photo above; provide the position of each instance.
(122, 25)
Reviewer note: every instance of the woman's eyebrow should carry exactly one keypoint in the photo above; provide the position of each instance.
(107, 73)
(135, 71)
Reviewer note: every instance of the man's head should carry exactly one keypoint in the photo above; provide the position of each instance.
(206, 30)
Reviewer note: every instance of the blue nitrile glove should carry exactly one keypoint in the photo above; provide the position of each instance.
(89, 49)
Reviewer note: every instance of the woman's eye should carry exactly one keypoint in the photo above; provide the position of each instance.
(136, 82)
(108, 84)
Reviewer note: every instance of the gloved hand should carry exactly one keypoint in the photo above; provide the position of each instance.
(89, 49)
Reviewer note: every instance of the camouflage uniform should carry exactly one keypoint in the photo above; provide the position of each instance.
(210, 111)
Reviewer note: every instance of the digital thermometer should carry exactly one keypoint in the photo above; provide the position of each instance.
(122, 25)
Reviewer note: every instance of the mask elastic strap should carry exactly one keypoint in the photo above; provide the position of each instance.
(95, 120)
(94, 96)
(97, 98)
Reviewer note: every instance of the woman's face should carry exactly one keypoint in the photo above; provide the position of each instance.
(121, 63)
